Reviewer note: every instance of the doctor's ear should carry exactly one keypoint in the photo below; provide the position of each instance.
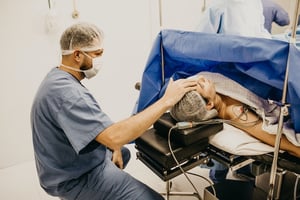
(77, 55)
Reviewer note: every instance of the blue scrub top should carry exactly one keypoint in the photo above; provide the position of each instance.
(65, 119)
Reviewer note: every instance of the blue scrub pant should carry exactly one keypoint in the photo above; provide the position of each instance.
(218, 172)
(108, 182)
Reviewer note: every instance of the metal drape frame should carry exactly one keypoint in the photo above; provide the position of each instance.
(284, 108)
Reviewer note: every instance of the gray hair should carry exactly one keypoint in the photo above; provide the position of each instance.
(192, 107)
(81, 36)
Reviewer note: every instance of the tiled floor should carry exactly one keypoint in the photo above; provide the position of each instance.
(20, 182)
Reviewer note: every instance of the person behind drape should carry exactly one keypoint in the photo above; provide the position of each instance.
(273, 12)
(234, 17)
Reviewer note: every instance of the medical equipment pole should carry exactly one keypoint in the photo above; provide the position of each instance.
(284, 108)
(160, 14)
(161, 45)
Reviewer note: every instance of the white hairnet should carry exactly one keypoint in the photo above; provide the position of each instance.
(83, 36)
(192, 107)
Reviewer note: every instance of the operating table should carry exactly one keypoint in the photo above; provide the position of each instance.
(257, 64)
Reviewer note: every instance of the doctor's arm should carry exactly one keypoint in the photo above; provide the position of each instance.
(127, 130)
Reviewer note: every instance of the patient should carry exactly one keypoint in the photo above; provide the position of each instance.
(218, 96)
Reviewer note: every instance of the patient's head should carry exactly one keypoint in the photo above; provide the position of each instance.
(192, 107)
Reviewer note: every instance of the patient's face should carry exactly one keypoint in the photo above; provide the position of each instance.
(206, 88)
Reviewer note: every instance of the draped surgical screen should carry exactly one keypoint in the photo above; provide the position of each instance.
(256, 63)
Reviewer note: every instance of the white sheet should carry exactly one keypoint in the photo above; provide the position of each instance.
(238, 142)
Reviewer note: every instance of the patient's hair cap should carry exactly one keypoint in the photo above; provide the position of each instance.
(192, 107)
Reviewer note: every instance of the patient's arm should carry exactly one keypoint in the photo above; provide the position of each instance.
(255, 129)
(231, 109)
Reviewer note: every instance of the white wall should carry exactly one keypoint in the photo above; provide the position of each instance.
(28, 52)
(180, 14)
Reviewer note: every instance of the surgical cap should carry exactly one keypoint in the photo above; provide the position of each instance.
(83, 36)
(192, 107)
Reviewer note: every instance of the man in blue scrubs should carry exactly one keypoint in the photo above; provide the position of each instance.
(78, 149)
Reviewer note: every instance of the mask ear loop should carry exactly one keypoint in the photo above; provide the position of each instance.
(72, 68)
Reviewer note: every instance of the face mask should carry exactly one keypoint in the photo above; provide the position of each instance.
(89, 73)
(96, 66)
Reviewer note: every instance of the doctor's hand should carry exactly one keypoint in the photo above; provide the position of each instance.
(177, 89)
(117, 158)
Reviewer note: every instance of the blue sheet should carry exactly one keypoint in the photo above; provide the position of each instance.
(256, 63)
